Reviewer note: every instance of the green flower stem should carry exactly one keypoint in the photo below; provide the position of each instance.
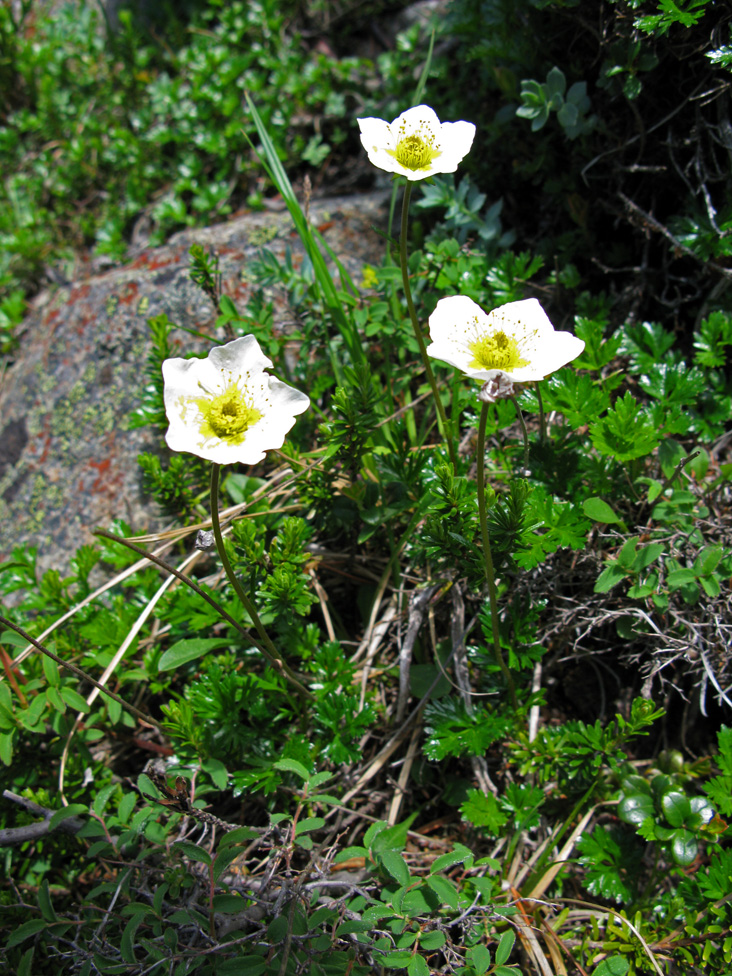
(269, 651)
(445, 427)
(524, 431)
(542, 418)
(146, 719)
(489, 571)
(244, 631)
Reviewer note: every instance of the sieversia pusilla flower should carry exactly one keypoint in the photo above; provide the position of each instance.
(416, 144)
(226, 408)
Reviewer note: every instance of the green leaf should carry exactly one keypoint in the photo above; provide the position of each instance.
(684, 848)
(238, 836)
(635, 808)
(676, 808)
(24, 968)
(418, 967)
(251, 965)
(626, 432)
(432, 940)
(599, 511)
(126, 805)
(102, 798)
(482, 810)
(609, 577)
(74, 700)
(647, 555)
(127, 940)
(444, 889)
(350, 852)
(44, 903)
(309, 823)
(479, 958)
(375, 913)
(445, 861)
(396, 959)
(25, 931)
(222, 861)
(187, 650)
(612, 966)
(319, 779)
(72, 810)
(193, 851)
(670, 454)
(6, 747)
(229, 904)
(293, 766)
(217, 771)
(50, 670)
(395, 864)
(505, 946)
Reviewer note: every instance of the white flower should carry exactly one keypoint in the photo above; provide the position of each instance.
(417, 144)
(516, 339)
(225, 408)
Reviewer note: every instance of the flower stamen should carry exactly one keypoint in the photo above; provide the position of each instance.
(414, 151)
(496, 350)
(227, 416)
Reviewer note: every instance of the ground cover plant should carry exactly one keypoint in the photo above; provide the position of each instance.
(434, 667)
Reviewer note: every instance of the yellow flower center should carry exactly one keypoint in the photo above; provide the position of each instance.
(415, 151)
(496, 350)
(227, 416)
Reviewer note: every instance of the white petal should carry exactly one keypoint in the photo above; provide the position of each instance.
(241, 355)
(457, 321)
(526, 318)
(416, 119)
(242, 362)
(452, 140)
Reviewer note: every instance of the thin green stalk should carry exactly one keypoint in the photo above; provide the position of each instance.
(542, 418)
(559, 831)
(445, 427)
(79, 673)
(489, 571)
(311, 241)
(238, 588)
(274, 662)
(524, 431)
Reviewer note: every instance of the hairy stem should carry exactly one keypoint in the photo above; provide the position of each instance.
(489, 571)
(268, 648)
(445, 427)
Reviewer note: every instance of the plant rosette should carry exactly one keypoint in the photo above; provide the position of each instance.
(516, 340)
(416, 144)
(226, 408)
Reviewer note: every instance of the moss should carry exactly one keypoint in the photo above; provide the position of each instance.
(259, 236)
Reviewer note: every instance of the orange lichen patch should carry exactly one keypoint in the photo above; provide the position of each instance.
(78, 292)
(163, 262)
(130, 293)
(101, 482)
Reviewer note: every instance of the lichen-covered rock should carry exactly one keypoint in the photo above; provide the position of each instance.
(68, 462)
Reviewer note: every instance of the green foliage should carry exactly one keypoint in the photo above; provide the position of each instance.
(539, 100)
(118, 119)
(612, 859)
(661, 811)
(626, 432)
(465, 215)
(453, 731)
(360, 545)
(686, 12)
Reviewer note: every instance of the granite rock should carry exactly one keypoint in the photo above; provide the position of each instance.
(68, 462)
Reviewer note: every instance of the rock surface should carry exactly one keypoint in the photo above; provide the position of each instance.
(68, 462)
